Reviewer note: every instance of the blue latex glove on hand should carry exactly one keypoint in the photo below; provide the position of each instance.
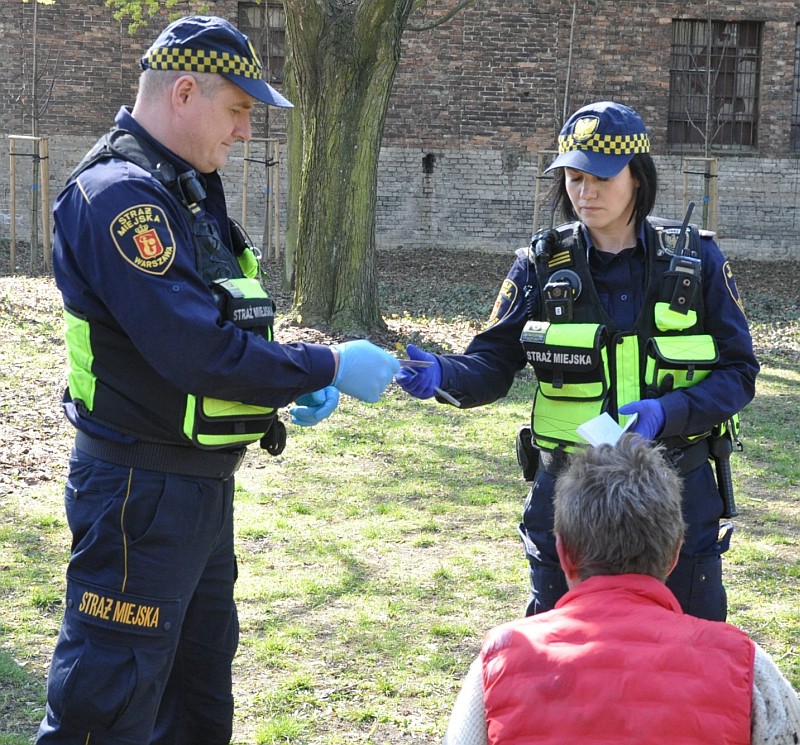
(312, 408)
(420, 382)
(364, 370)
(651, 417)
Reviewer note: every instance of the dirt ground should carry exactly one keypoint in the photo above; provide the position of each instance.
(463, 285)
(427, 284)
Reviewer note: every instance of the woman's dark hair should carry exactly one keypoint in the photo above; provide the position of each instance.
(643, 169)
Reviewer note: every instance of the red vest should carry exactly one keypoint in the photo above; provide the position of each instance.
(617, 661)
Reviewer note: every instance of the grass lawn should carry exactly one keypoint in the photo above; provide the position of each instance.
(380, 546)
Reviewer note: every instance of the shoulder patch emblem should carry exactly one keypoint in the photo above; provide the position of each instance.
(730, 283)
(143, 235)
(668, 240)
(502, 306)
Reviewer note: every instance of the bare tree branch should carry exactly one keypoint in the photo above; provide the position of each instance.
(44, 100)
(442, 19)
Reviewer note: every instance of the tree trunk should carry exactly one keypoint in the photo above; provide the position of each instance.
(343, 58)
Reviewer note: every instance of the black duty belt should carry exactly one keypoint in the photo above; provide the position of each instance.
(683, 459)
(688, 458)
(151, 456)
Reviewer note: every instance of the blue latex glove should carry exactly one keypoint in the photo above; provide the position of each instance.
(364, 370)
(420, 382)
(651, 417)
(312, 408)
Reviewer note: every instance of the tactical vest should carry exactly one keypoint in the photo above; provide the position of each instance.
(585, 364)
(128, 404)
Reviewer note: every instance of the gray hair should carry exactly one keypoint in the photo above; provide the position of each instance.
(153, 83)
(618, 509)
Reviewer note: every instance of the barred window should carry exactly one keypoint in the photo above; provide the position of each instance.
(796, 98)
(265, 24)
(715, 69)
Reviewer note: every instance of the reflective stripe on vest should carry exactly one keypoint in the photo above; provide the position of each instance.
(206, 422)
(212, 422)
(666, 349)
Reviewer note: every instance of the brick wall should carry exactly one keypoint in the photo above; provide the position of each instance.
(474, 102)
(484, 200)
(497, 74)
(509, 61)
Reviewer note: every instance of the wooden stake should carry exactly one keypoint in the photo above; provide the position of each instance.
(44, 190)
(12, 149)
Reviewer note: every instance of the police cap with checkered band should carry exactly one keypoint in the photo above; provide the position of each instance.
(601, 139)
(211, 44)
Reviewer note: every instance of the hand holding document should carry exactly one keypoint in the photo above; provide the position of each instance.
(603, 430)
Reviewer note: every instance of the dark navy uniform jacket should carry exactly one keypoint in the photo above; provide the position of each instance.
(486, 370)
(162, 305)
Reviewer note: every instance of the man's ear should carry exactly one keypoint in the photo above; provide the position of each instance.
(183, 89)
(568, 565)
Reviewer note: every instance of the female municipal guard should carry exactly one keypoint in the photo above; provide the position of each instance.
(622, 313)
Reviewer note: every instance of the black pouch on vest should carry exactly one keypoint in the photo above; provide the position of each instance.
(244, 302)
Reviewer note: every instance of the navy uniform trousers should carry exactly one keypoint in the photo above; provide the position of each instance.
(150, 627)
(696, 580)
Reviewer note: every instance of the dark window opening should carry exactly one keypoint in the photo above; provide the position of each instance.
(265, 24)
(715, 69)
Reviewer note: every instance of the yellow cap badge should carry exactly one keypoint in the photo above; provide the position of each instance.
(585, 127)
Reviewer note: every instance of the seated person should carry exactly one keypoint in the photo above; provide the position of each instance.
(617, 660)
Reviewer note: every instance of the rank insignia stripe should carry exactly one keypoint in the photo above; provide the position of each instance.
(562, 258)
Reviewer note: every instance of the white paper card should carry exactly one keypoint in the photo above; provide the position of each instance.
(603, 430)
